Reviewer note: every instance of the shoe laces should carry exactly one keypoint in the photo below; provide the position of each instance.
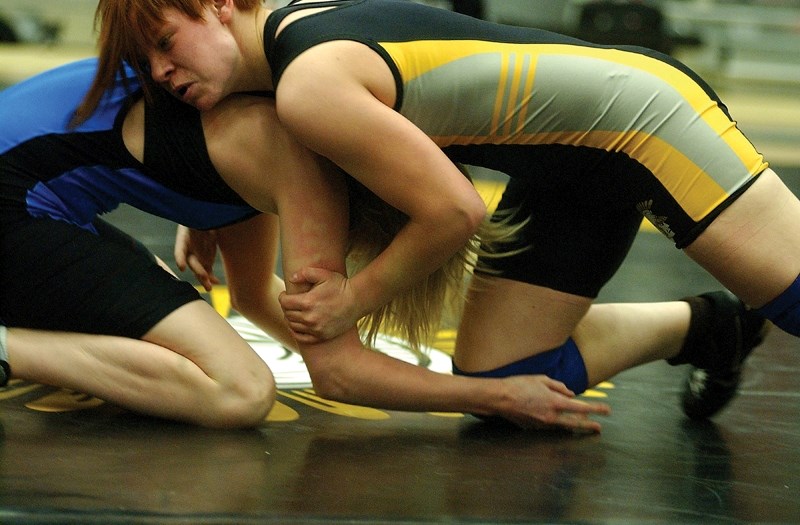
(697, 383)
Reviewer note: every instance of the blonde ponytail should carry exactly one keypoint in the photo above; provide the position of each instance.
(416, 314)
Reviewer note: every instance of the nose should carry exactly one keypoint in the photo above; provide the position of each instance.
(160, 68)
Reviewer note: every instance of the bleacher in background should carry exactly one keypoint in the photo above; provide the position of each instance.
(755, 40)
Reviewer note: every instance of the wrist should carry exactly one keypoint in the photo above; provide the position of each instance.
(490, 396)
(367, 294)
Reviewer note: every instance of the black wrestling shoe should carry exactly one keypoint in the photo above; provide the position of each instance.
(729, 332)
(5, 370)
(5, 373)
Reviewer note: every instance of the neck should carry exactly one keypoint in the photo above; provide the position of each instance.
(255, 70)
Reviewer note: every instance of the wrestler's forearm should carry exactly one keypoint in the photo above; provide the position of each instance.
(417, 251)
(343, 370)
(268, 316)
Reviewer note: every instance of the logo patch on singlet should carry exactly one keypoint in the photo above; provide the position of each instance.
(659, 221)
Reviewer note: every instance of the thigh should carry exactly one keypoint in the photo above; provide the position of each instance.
(57, 276)
(582, 213)
(753, 246)
(196, 331)
(582, 219)
(505, 320)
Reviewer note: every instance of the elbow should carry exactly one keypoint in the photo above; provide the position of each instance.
(330, 383)
(476, 214)
(335, 368)
(467, 217)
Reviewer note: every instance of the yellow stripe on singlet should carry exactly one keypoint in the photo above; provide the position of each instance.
(414, 59)
(498, 103)
(519, 112)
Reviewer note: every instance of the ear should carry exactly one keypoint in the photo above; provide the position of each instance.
(224, 10)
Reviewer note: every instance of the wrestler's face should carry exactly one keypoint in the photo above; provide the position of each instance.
(194, 59)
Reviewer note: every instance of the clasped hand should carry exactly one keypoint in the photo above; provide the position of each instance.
(197, 250)
(326, 309)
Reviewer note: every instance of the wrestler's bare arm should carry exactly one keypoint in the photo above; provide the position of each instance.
(273, 172)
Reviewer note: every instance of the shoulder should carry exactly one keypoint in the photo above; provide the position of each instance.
(238, 117)
(240, 132)
(133, 130)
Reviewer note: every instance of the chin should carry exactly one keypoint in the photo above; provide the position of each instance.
(206, 102)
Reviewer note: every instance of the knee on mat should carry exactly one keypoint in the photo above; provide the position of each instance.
(784, 310)
(243, 405)
(563, 363)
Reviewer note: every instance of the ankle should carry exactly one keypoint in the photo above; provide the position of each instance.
(697, 337)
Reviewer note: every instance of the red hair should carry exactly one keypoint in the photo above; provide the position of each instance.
(126, 28)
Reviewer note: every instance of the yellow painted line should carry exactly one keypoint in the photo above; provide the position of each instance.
(454, 415)
(594, 394)
(219, 297)
(64, 401)
(281, 413)
(15, 390)
(308, 397)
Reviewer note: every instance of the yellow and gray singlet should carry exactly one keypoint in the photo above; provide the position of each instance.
(498, 96)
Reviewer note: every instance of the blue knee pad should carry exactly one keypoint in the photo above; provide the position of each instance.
(784, 310)
(564, 364)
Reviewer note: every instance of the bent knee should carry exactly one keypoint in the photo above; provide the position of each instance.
(564, 363)
(244, 404)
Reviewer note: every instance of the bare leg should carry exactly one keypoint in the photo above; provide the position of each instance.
(616, 337)
(753, 247)
(192, 366)
(505, 321)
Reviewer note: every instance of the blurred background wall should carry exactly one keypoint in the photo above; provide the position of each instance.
(724, 40)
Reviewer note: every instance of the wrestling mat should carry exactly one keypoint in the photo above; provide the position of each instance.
(69, 458)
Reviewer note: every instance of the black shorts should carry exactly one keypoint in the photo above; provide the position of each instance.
(585, 208)
(57, 276)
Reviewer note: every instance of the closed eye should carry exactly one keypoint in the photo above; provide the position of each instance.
(164, 43)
